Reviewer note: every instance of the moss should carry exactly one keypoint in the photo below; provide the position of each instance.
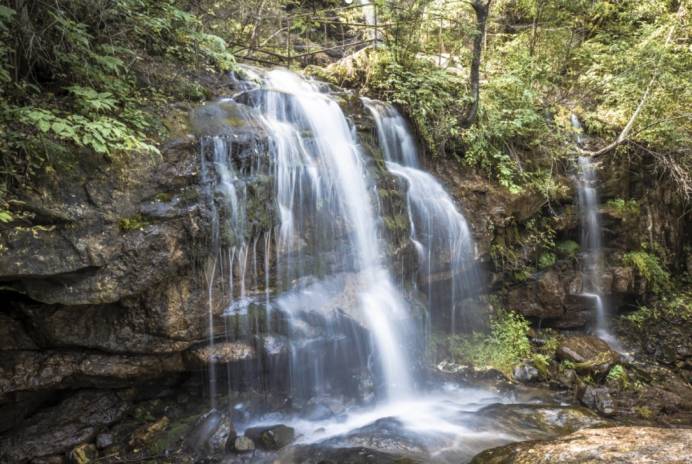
(136, 222)
(546, 259)
(644, 412)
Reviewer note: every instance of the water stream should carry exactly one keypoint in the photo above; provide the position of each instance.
(439, 231)
(591, 238)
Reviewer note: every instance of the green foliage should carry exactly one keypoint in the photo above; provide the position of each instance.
(649, 267)
(676, 309)
(505, 346)
(546, 259)
(623, 209)
(525, 247)
(618, 375)
(431, 96)
(568, 248)
(75, 79)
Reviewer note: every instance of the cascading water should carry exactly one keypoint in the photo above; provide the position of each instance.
(591, 237)
(439, 231)
(329, 259)
(310, 308)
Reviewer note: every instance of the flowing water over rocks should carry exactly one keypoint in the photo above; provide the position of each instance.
(263, 294)
(315, 291)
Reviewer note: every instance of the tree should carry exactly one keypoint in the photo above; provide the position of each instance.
(481, 9)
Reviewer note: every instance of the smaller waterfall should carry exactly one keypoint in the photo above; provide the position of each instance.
(439, 231)
(591, 237)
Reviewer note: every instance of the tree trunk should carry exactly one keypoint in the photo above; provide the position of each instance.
(481, 10)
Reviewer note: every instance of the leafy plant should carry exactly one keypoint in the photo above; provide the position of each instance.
(568, 248)
(649, 267)
(505, 346)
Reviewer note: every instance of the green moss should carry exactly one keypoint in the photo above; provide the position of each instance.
(137, 222)
(546, 259)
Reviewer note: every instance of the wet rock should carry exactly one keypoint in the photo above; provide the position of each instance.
(387, 434)
(543, 298)
(317, 411)
(34, 370)
(212, 432)
(241, 445)
(83, 454)
(599, 399)
(320, 454)
(526, 372)
(219, 353)
(615, 445)
(272, 437)
(623, 279)
(115, 328)
(104, 440)
(450, 370)
(589, 354)
(534, 420)
(60, 428)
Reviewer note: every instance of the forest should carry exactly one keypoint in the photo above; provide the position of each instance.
(345, 231)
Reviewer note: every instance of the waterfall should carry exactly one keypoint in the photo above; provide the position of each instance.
(330, 269)
(591, 236)
(439, 231)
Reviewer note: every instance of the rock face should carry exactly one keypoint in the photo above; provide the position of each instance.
(615, 445)
(61, 428)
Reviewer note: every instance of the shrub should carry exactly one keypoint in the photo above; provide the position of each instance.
(649, 267)
(505, 346)
(568, 248)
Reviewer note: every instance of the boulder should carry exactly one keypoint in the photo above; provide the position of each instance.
(323, 454)
(598, 398)
(211, 432)
(615, 445)
(530, 421)
(526, 372)
(271, 437)
(241, 445)
(104, 440)
(588, 353)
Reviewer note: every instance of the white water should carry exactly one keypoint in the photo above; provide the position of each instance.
(330, 268)
(439, 231)
(591, 238)
(318, 158)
